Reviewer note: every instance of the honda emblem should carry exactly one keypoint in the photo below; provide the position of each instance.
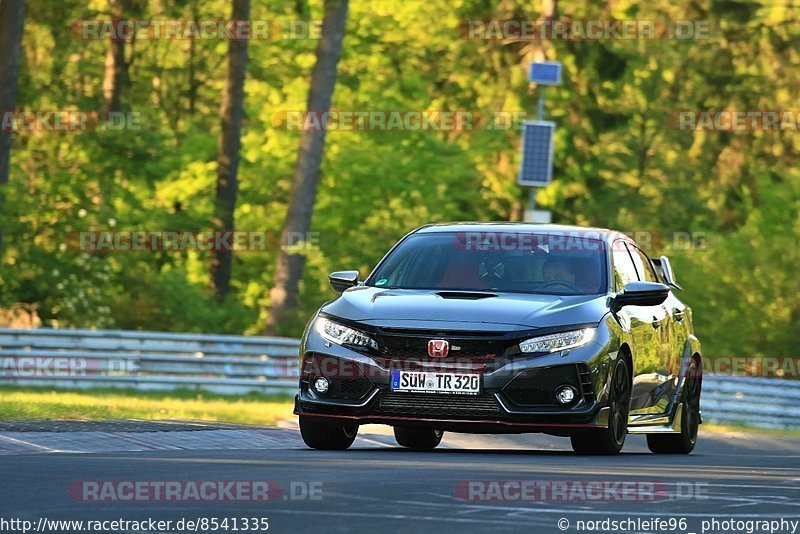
(438, 348)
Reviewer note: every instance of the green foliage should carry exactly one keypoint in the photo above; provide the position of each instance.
(618, 163)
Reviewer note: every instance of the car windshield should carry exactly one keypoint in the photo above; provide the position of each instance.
(549, 263)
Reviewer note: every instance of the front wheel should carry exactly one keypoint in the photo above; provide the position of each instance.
(609, 440)
(327, 436)
(418, 438)
(684, 442)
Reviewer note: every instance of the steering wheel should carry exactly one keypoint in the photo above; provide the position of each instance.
(568, 285)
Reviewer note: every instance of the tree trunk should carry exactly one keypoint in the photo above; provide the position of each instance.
(12, 18)
(228, 146)
(289, 267)
(192, 74)
(549, 12)
(116, 68)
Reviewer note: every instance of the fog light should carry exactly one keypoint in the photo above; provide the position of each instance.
(321, 384)
(565, 394)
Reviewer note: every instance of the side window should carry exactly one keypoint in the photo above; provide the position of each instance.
(643, 266)
(624, 270)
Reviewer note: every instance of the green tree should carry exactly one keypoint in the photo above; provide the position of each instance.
(289, 269)
(228, 147)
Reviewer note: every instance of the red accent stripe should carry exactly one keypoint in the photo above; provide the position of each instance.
(468, 421)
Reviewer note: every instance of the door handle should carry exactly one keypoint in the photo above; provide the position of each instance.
(677, 314)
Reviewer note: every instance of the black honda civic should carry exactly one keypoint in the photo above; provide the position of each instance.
(505, 328)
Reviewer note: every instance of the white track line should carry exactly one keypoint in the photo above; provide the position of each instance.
(29, 444)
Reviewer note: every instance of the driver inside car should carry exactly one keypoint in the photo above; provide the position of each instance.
(558, 269)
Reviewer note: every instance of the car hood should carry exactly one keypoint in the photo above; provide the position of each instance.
(423, 308)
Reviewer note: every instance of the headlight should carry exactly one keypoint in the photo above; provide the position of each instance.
(556, 342)
(343, 335)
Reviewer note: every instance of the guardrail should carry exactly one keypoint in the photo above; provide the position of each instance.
(148, 360)
(241, 364)
(751, 401)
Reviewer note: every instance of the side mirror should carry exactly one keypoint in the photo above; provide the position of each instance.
(640, 294)
(668, 273)
(341, 280)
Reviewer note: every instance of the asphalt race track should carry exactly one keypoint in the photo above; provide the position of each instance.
(377, 486)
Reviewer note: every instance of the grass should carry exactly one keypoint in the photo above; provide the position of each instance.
(750, 429)
(113, 404)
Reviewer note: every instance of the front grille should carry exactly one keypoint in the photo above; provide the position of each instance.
(438, 406)
(536, 387)
(349, 388)
(406, 343)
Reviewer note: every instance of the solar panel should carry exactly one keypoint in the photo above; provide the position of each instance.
(536, 168)
(545, 72)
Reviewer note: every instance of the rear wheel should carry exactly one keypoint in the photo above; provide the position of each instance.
(418, 438)
(684, 442)
(609, 440)
(327, 436)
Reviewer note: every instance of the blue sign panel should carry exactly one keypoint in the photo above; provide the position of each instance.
(536, 168)
(545, 72)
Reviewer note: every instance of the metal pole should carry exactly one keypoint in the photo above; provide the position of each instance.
(540, 104)
(539, 117)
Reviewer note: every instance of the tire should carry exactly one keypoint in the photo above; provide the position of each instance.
(684, 442)
(609, 440)
(417, 438)
(327, 436)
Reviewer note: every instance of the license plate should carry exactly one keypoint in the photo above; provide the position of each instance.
(428, 382)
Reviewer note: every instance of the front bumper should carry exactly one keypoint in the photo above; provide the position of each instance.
(516, 397)
(560, 423)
